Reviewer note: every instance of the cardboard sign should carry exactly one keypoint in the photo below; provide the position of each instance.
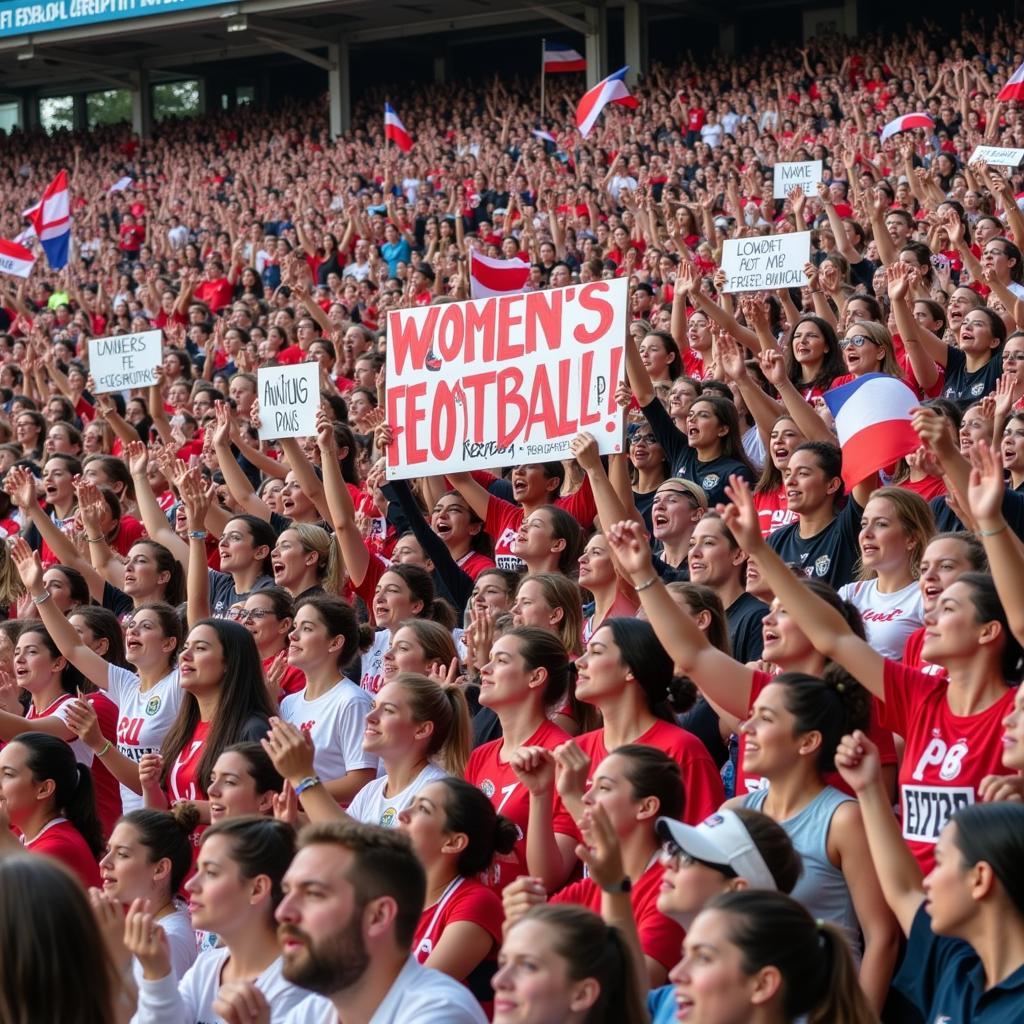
(289, 399)
(788, 176)
(997, 156)
(125, 361)
(505, 380)
(767, 262)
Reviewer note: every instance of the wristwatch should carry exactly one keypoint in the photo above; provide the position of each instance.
(626, 885)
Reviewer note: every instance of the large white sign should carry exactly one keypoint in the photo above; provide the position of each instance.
(289, 398)
(766, 262)
(125, 361)
(997, 156)
(505, 380)
(806, 175)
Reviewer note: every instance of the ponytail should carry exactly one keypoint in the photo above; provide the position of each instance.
(51, 758)
(446, 709)
(843, 999)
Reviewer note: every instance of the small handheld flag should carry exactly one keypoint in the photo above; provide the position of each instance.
(394, 130)
(51, 217)
(610, 90)
(15, 259)
(558, 58)
(906, 123)
(1014, 88)
(489, 276)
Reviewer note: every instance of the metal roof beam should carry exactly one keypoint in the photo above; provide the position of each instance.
(310, 58)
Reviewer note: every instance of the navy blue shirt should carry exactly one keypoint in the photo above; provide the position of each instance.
(944, 978)
(830, 555)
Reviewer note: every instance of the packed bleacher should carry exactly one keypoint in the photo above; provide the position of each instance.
(720, 727)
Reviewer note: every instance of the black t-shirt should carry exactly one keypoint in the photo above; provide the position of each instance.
(830, 555)
(947, 521)
(702, 721)
(965, 387)
(745, 615)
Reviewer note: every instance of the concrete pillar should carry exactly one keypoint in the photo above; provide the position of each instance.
(203, 95)
(142, 104)
(30, 110)
(79, 113)
(727, 37)
(850, 17)
(339, 88)
(440, 69)
(635, 38)
(596, 39)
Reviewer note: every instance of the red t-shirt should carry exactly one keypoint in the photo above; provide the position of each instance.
(466, 899)
(928, 488)
(105, 787)
(882, 737)
(182, 783)
(946, 756)
(701, 782)
(473, 563)
(502, 787)
(660, 936)
(215, 294)
(128, 533)
(290, 356)
(913, 658)
(773, 510)
(293, 679)
(62, 841)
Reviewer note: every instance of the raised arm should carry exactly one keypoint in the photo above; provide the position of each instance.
(238, 483)
(827, 630)
(342, 512)
(197, 580)
(923, 348)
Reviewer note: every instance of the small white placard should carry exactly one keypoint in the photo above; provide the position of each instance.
(806, 175)
(289, 398)
(125, 361)
(767, 262)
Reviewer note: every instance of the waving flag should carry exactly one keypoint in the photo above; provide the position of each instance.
(906, 123)
(121, 184)
(544, 136)
(15, 259)
(1014, 88)
(489, 277)
(872, 415)
(559, 57)
(395, 130)
(610, 90)
(51, 217)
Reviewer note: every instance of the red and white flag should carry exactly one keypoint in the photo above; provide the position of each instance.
(1014, 88)
(395, 130)
(610, 90)
(489, 277)
(559, 57)
(15, 260)
(907, 123)
(873, 422)
(51, 217)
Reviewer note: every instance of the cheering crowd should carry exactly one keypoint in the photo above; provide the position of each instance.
(705, 731)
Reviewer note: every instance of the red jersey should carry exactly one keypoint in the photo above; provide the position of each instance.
(129, 531)
(105, 787)
(182, 783)
(62, 841)
(502, 787)
(702, 784)
(946, 756)
(882, 737)
(928, 488)
(473, 563)
(773, 510)
(504, 519)
(660, 936)
(465, 899)
(215, 294)
(293, 679)
(290, 356)
(913, 658)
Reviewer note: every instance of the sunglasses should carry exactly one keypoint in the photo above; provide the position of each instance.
(857, 342)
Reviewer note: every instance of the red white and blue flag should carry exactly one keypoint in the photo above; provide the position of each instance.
(51, 218)
(395, 130)
(1014, 88)
(489, 276)
(15, 260)
(539, 133)
(872, 415)
(609, 90)
(559, 57)
(907, 123)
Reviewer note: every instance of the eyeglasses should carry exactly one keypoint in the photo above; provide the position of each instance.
(257, 614)
(857, 342)
(674, 856)
(647, 438)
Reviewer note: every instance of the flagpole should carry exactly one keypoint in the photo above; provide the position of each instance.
(543, 111)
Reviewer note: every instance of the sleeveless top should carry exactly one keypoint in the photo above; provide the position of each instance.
(822, 888)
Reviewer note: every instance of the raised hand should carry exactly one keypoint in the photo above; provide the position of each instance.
(741, 516)
(986, 486)
(290, 749)
(147, 941)
(28, 564)
(535, 769)
(20, 484)
(83, 722)
(584, 450)
(631, 548)
(858, 762)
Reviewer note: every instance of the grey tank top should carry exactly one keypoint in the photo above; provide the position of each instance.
(822, 888)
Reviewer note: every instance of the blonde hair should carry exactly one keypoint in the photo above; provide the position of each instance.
(446, 708)
(435, 639)
(916, 519)
(562, 592)
(328, 566)
(11, 587)
(880, 335)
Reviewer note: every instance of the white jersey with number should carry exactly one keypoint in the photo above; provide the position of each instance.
(143, 719)
(335, 722)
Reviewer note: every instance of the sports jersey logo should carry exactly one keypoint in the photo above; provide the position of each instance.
(978, 389)
(487, 788)
(926, 809)
(388, 818)
(950, 759)
(821, 565)
(153, 705)
(710, 481)
(426, 947)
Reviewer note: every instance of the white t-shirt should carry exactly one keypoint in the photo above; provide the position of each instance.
(711, 134)
(888, 618)
(372, 807)
(143, 719)
(335, 722)
(372, 675)
(190, 1001)
(418, 994)
(181, 938)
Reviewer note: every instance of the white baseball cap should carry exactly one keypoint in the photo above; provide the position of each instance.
(721, 840)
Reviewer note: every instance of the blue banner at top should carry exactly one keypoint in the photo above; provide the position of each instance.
(23, 17)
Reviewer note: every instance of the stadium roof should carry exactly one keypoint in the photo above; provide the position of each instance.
(101, 43)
